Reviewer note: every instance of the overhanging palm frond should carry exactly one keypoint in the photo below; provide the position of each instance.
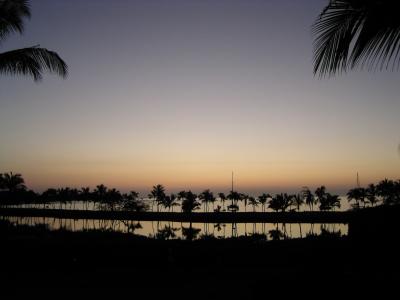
(377, 44)
(12, 13)
(355, 33)
(32, 61)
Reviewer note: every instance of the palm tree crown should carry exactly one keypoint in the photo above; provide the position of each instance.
(358, 195)
(207, 196)
(308, 197)
(158, 194)
(263, 200)
(12, 182)
(355, 33)
(30, 61)
(190, 202)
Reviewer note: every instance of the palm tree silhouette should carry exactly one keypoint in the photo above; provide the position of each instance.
(281, 202)
(131, 202)
(26, 61)
(262, 199)
(358, 195)
(308, 197)
(354, 33)
(99, 194)
(207, 196)
(63, 196)
(320, 192)
(298, 201)
(85, 196)
(234, 197)
(326, 200)
(333, 201)
(158, 194)
(190, 202)
(181, 197)
(113, 199)
(222, 197)
(49, 196)
(288, 201)
(253, 202)
(275, 202)
(13, 182)
(388, 190)
(190, 233)
(245, 199)
(276, 234)
(371, 194)
(132, 226)
(74, 196)
(170, 201)
(166, 233)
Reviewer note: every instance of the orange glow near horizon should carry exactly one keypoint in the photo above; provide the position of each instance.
(196, 162)
(248, 176)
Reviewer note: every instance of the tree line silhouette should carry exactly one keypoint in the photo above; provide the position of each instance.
(13, 191)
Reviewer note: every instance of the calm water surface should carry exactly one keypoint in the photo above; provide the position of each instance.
(171, 230)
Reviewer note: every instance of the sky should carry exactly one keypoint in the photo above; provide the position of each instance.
(183, 92)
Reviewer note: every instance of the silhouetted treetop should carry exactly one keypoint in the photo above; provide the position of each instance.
(31, 61)
(12, 14)
(357, 33)
(12, 182)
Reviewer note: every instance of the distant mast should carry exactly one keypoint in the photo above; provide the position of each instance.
(358, 180)
(232, 182)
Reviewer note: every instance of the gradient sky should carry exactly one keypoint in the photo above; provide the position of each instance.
(183, 92)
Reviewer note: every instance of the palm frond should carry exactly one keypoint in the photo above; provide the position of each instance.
(32, 61)
(12, 13)
(355, 33)
(334, 30)
(377, 44)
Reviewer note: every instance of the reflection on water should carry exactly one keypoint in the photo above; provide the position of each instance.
(184, 230)
(84, 205)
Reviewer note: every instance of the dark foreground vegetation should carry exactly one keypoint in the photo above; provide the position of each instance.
(36, 258)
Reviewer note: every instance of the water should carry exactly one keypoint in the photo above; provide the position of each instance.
(80, 205)
(175, 230)
(164, 229)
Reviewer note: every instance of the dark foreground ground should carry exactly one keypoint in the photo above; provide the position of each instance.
(91, 264)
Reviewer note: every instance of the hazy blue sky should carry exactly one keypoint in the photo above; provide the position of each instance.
(183, 92)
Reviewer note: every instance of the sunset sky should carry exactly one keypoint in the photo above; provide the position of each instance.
(183, 92)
